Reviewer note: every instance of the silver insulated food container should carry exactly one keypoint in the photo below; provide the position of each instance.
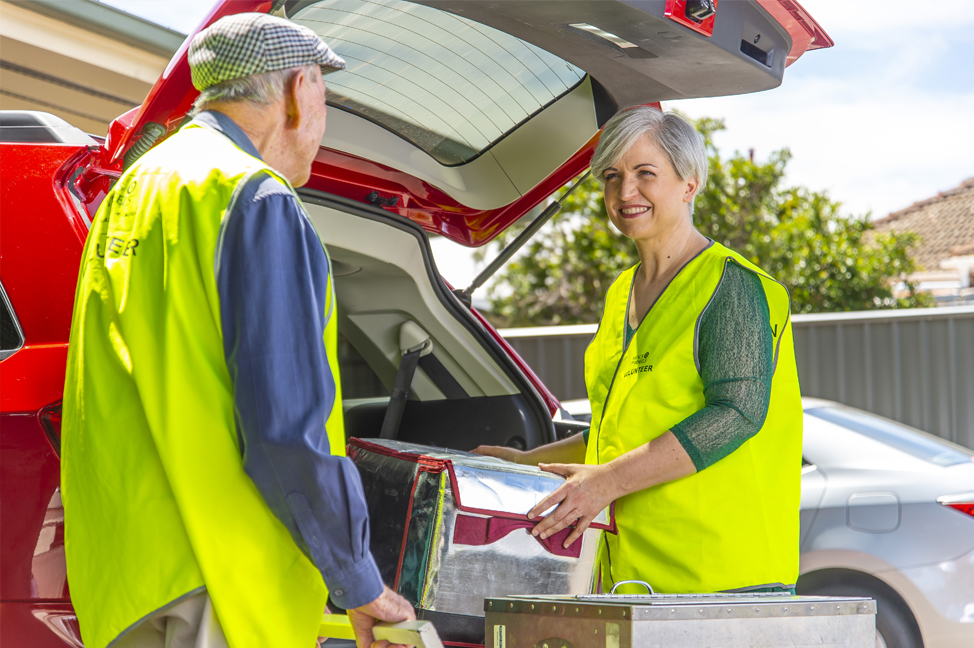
(680, 621)
(450, 529)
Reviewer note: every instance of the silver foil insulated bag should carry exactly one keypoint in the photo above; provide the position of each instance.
(450, 529)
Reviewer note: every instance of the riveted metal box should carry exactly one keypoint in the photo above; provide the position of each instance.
(680, 621)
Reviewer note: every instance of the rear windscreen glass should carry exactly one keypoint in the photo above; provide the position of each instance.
(902, 437)
(449, 85)
(11, 336)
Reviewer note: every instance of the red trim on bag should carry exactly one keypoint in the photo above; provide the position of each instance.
(423, 460)
(477, 531)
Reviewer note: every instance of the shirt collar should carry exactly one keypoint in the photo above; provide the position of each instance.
(226, 126)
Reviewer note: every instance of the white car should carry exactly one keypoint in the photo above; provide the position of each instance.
(887, 512)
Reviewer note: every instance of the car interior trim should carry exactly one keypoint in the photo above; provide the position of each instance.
(489, 366)
(510, 168)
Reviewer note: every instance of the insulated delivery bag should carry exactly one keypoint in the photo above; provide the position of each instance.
(450, 529)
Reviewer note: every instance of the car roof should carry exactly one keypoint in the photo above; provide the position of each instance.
(808, 402)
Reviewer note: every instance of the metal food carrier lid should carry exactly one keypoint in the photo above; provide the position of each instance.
(655, 607)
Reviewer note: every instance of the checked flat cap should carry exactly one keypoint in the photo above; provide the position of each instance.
(253, 43)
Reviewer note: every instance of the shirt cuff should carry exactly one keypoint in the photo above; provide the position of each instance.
(699, 462)
(355, 586)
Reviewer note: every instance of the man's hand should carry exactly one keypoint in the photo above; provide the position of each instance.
(388, 607)
(587, 491)
(502, 452)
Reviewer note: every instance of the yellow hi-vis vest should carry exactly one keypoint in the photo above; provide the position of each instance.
(157, 503)
(733, 524)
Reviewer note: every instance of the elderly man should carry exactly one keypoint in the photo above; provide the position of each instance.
(207, 499)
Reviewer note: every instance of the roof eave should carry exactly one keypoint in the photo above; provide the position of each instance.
(109, 21)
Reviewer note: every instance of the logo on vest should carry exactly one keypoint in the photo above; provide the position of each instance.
(116, 247)
(638, 364)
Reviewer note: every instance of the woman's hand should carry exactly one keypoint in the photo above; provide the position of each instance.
(589, 489)
(502, 452)
(592, 487)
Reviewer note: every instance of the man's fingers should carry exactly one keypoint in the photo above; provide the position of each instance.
(362, 626)
(363, 637)
(403, 609)
(390, 607)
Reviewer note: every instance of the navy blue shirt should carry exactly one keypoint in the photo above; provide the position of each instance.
(272, 278)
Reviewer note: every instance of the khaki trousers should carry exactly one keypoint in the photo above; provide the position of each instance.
(190, 623)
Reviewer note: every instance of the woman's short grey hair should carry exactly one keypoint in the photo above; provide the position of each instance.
(261, 89)
(673, 134)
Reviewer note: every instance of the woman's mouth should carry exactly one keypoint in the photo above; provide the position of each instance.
(633, 211)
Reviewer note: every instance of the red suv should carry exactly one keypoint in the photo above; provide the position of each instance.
(452, 119)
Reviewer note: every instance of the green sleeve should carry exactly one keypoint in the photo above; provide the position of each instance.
(735, 353)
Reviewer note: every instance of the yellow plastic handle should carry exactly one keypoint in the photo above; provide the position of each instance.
(421, 634)
(336, 626)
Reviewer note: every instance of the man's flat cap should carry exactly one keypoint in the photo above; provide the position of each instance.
(252, 43)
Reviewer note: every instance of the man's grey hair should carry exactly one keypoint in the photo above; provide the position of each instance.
(259, 89)
(680, 141)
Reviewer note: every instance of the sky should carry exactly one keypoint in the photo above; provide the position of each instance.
(179, 15)
(879, 121)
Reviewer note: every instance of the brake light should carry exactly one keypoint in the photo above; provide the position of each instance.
(697, 15)
(50, 420)
(963, 507)
(962, 503)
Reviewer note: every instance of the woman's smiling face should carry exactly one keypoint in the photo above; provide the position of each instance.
(644, 195)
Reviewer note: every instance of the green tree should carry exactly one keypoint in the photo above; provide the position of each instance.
(828, 261)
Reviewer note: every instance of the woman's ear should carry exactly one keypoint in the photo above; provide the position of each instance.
(691, 190)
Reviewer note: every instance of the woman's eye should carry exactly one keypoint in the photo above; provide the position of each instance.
(610, 176)
(644, 172)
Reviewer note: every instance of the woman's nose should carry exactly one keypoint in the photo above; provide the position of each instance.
(627, 188)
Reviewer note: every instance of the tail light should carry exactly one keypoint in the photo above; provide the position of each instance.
(963, 503)
(50, 420)
(698, 15)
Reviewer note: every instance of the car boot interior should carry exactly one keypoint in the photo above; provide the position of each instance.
(466, 391)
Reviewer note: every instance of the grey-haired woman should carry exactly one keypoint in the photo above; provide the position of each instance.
(696, 411)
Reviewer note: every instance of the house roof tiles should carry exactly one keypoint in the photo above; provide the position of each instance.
(945, 223)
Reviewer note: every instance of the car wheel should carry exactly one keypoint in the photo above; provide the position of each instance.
(896, 626)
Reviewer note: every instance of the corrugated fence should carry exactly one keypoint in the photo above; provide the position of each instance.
(915, 366)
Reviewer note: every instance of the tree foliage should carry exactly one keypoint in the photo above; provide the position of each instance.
(828, 261)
